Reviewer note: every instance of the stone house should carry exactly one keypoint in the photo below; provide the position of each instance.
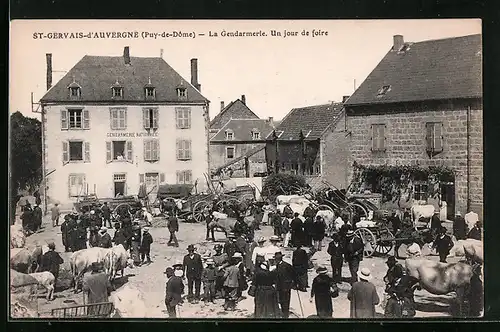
(311, 141)
(113, 123)
(422, 106)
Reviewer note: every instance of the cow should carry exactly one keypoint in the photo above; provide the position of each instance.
(421, 212)
(47, 281)
(81, 261)
(226, 225)
(117, 258)
(26, 260)
(17, 236)
(129, 302)
(470, 248)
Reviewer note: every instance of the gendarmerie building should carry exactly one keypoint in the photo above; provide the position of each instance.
(113, 123)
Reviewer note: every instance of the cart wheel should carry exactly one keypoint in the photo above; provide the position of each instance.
(198, 209)
(369, 241)
(385, 242)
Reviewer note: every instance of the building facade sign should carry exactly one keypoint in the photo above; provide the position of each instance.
(132, 135)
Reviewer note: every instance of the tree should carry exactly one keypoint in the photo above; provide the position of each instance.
(25, 156)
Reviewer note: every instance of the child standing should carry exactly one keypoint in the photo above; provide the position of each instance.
(208, 278)
(145, 249)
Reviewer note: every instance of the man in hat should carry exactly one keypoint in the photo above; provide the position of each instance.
(394, 269)
(240, 227)
(335, 250)
(272, 249)
(193, 269)
(106, 214)
(173, 292)
(79, 236)
(145, 248)
(173, 227)
(442, 244)
(321, 292)
(297, 229)
(209, 276)
(286, 279)
(363, 296)
(96, 286)
(287, 211)
(51, 261)
(135, 241)
(353, 254)
(276, 223)
(94, 219)
(105, 238)
(37, 217)
(210, 229)
(459, 227)
(65, 232)
(435, 222)
(242, 282)
(232, 283)
(230, 246)
(120, 237)
(56, 213)
(221, 261)
(475, 232)
(300, 263)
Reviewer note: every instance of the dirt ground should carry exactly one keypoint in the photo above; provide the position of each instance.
(151, 280)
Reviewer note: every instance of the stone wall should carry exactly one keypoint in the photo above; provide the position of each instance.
(406, 145)
(335, 151)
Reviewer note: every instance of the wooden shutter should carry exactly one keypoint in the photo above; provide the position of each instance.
(428, 136)
(162, 177)
(155, 149)
(113, 122)
(141, 178)
(64, 120)
(145, 116)
(130, 155)
(178, 122)
(123, 118)
(438, 137)
(187, 118)
(147, 150)
(188, 176)
(373, 138)
(155, 119)
(86, 119)
(178, 174)
(86, 152)
(65, 146)
(109, 152)
(187, 149)
(178, 149)
(381, 137)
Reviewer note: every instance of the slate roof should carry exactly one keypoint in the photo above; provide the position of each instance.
(312, 120)
(430, 70)
(97, 74)
(236, 110)
(242, 129)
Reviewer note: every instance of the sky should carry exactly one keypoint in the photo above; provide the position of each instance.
(275, 73)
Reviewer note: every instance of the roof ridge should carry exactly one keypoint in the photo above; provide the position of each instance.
(318, 105)
(441, 39)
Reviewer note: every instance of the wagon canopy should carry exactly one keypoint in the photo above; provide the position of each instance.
(174, 190)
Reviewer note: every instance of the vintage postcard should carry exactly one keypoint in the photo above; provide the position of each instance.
(246, 169)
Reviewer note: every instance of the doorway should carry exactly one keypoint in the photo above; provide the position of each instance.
(120, 181)
(448, 196)
(152, 181)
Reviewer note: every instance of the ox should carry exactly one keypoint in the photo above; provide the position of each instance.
(47, 281)
(81, 261)
(26, 260)
(421, 212)
(470, 248)
(116, 259)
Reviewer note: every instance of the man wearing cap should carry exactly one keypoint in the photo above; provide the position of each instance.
(50, 261)
(65, 232)
(297, 229)
(135, 241)
(173, 291)
(363, 296)
(145, 248)
(105, 238)
(96, 286)
(353, 254)
(286, 279)
(321, 288)
(209, 276)
(442, 244)
(193, 269)
(393, 270)
(79, 236)
(459, 227)
(173, 227)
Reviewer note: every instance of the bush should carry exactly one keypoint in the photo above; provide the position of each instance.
(282, 184)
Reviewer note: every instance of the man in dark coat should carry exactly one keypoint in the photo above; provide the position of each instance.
(475, 232)
(308, 231)
(395, 222)
(80, 236)
(38, 199)
(173, 292)
(240, 227)
(300, 263)
(145, 249)
(230, 246)
(210, 230)
(120, 237)
(106, 214)
(276, 223)
(335, 250)
(193, 269)
(27, 218)
(285, 280)
(435, 223)
(37, 217)
(135, 241)
(459, 227)
(173, 227)
(296, 226)
(443, 244)
(287, 211)
(65, 233)
(96, 286)
(309, 211)
(51, 261)
(363, 296)
(353, 254)
(321, 293)
(71, 231)
(105, 238)
(318, 232)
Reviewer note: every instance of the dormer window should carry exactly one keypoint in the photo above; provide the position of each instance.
(181, 93)
(117, 92)
(383, 90)
(255, 134)
(229, 135)
(150, 92)
(75, 90)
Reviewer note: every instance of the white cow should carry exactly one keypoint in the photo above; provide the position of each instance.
(470, 248)
(421, 211)
(129, 302)
(117, 258)
(47, 281)
(328, 217)
(297, 203)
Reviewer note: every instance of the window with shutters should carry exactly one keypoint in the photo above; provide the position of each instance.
(184, 177)
(119, 151)
(75, 151)
(183, 117)
(76, 185)
(183, 149)
(434, 137)
(150, 118)
(75, 119)
(151, 150)
(230, 152)
(378, 137)
(118, 118)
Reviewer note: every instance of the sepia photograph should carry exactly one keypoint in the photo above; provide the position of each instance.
(246, 169)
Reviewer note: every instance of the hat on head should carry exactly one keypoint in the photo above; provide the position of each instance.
(92, 212)
(104, 229)
(51, 245)
(210, 261)
(391, 259)
(146, 229)
(169, 270)
(364, 274)
(144, 209)
(458, 213)
(278, 253)
(261, 239)
(274, 238)
(177, 264)
(191, 247)
(321, 270)
(237, 255)
(349, 233)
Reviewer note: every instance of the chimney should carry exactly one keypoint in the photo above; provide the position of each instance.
(194, 74)
(222, 105)
(49, 70)
(161, 53)
(126, 55)
(398, 42)
(271, 121)
(344, 99)
(243, 99)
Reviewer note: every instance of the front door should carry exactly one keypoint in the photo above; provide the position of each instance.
(448, 195)
(120, 184)
(152, 181)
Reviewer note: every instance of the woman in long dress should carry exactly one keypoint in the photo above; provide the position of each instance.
(266, 296)
(320, 291)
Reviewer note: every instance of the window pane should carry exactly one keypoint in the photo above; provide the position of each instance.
(75, 151)
(118, 150)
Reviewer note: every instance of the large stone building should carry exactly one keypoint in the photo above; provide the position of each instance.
(422, 105)
(311, 141)
(113, 123)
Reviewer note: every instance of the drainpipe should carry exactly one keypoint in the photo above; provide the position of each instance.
(44, 175)
(468, 158)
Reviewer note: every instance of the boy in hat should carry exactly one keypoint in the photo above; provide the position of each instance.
(145, 249)
(193, 268)
(104, 238)
(353, 254)
(443, 244)
(363, 296)
(174, 291)
(208, 278)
